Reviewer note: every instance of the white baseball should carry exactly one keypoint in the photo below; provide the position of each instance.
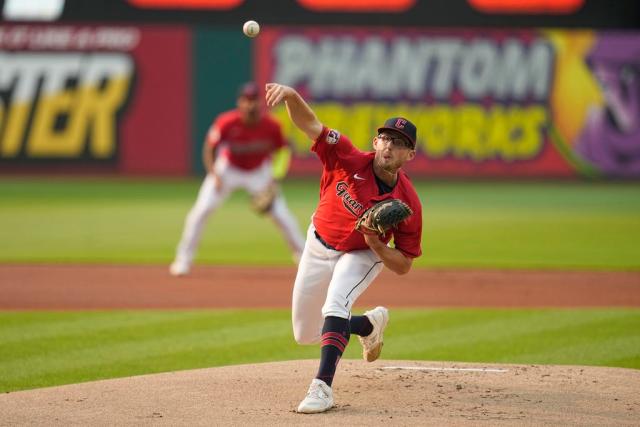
(251, 28)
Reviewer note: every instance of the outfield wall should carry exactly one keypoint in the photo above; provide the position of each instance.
(110, 99)
(138, 99)
(498, 103)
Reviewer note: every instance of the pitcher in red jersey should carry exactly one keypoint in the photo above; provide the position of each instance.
(339, 262)
(237, 154)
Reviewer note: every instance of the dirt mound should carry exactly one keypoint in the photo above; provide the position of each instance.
(384, 392)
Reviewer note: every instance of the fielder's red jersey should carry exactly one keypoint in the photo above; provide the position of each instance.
(348, 187)
(245, 146)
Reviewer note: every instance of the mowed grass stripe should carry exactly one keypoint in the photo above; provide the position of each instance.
(452, 327)
(33, 326)
(466, 224)
(521, 336)
(124, 351)
(623, 362)
(91, 329)
(565, 342)
(139, 342)
(138, 232)
(86, 352)
(600, 352)
(546, 238)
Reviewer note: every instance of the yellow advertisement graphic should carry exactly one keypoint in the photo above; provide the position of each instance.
(465, 131)
(62, 105)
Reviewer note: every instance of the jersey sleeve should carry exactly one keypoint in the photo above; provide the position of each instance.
(333, 148)
(407, 238)
(214, 135)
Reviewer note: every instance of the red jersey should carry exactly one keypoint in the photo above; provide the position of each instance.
(348, 187)
(246, 146)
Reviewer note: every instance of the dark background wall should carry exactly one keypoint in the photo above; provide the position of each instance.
(598, 14)
(221, 64)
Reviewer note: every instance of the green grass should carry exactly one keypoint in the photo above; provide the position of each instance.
(51, 348)
(466, 224)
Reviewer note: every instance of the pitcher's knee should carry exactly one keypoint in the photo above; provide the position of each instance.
(335, 310)
(303, 336)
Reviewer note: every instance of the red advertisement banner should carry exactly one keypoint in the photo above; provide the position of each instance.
(527, 6)
(91, 97)
(369, 6)
(503, 103)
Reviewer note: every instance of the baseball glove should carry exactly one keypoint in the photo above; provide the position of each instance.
(383, 216)
(263, 201)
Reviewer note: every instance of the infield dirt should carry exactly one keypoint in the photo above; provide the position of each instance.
(435, 394)
(73, 287)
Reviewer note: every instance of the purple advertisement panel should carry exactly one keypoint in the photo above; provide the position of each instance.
(609, 138)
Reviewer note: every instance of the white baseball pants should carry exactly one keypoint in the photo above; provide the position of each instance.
(327, 284)
(210, 198)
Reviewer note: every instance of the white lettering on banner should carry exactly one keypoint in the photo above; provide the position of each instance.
(57, 105)
(68, 38)
(376, 68)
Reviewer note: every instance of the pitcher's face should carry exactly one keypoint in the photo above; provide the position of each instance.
(392, 150)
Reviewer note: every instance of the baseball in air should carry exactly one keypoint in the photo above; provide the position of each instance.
(251, 28)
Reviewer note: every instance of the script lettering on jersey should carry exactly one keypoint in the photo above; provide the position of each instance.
(62, 105)
(251, 147)
(352, 205)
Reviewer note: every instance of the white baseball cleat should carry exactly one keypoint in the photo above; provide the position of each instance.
(319, 398)
(372, 343)
(178, 268)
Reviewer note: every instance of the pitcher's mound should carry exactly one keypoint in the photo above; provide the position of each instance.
(381, 393)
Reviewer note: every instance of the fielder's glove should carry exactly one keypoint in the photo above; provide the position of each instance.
(262, 202)
(383, 216)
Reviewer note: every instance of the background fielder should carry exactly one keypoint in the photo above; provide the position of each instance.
(237, 154)
(340, 262)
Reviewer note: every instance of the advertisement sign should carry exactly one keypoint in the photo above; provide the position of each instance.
(104, 98)
(486, 103)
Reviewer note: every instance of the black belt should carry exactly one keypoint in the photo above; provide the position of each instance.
(325, 244)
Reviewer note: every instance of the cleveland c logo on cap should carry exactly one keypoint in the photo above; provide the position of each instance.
(400, 123)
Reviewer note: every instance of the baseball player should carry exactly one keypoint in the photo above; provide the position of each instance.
(237, 154)
(339, 262)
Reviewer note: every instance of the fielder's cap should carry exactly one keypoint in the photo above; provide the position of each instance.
(249, 90)
(402, 126)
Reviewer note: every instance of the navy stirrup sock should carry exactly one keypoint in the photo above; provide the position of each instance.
(335, 337)
(360, 325)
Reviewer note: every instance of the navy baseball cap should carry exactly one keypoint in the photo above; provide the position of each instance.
(249, 90)
(402, 126)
